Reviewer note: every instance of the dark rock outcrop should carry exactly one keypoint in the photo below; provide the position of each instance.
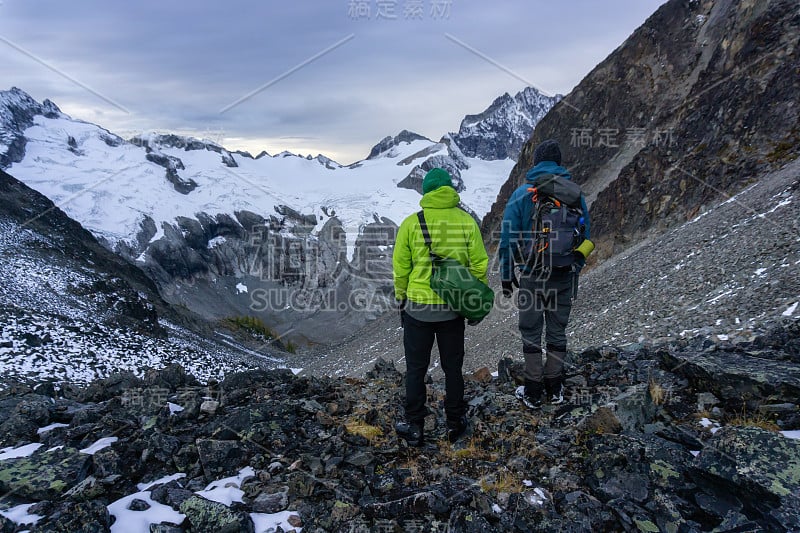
(687, 111)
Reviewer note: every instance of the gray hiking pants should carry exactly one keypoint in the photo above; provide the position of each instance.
(545, 305)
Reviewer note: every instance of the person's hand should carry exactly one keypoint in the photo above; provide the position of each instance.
(508, 286)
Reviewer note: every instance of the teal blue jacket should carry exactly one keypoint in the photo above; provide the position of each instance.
(517, 217)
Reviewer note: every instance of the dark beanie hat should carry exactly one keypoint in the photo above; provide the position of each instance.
(547, 151)
(435, 178)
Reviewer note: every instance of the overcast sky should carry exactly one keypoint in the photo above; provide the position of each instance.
(336, 76)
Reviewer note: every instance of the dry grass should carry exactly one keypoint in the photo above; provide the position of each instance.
(657, 392)
(473, 451)
(502, 482)
(362, 429)
(756, 420)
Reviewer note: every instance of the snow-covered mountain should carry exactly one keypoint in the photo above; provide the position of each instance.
(501, 130)
(226, 234)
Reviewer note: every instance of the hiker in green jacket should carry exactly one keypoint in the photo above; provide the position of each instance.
(426, 317)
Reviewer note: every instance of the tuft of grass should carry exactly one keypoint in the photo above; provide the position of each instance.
(250, 325)
(291, 347)
(757, 420)
(472, 450)
(362, 429)
(502, 482)
(657, 392)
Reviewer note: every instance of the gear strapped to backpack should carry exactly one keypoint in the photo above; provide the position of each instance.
(557, 224)
(455, 284)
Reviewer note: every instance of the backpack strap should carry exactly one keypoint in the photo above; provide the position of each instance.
(426, 234)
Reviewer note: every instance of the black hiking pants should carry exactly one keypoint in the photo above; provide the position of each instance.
(418, 340)
(545, 304)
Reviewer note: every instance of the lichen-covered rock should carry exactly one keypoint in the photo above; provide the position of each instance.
(44, 476)
(762, 467)
(76, 517)
(205, 515)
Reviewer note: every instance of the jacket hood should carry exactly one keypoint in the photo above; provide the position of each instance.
(441, 198)
(547, 167)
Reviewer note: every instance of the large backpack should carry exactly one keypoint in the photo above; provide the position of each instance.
(557, 224)
(454, 283)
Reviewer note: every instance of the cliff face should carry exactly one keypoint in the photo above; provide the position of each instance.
(696, 104)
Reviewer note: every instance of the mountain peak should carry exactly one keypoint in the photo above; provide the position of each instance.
(500, 131)
(389, 142)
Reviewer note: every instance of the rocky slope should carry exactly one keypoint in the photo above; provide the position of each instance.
(70, 310)
(694, 106)
(649, 439)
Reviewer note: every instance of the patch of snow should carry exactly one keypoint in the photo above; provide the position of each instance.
(23, 451)
(19, 514)
(712, 425)
(791, 434)
(527, 482)
(722, 337)
(268, 523)
(694, 452)
(496, 508)
(51, 427)
(537, 497)
(174, 408)
(105, 442)
(128, 521)
(790, 310)
(760, 271)
(227, 490)
(241, 288)
(161, 481)
(216, 241)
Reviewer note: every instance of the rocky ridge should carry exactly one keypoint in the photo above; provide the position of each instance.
(692, 107)
(505, 126)
(649, 439)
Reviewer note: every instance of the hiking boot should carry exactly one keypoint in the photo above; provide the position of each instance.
(412, 433)
(531, 401)
(456, 430)
(554, 389)
(557, 396)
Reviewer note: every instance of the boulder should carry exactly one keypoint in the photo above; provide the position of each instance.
(76, 517)
(44, 476)
(205, 515)
(734, 376)
(758, 468)
(220, 457)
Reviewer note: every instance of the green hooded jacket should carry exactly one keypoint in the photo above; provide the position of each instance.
(454, 233)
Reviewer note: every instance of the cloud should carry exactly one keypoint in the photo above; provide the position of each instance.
(175, 65)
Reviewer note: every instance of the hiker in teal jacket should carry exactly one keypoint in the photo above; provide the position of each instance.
(544, 298)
